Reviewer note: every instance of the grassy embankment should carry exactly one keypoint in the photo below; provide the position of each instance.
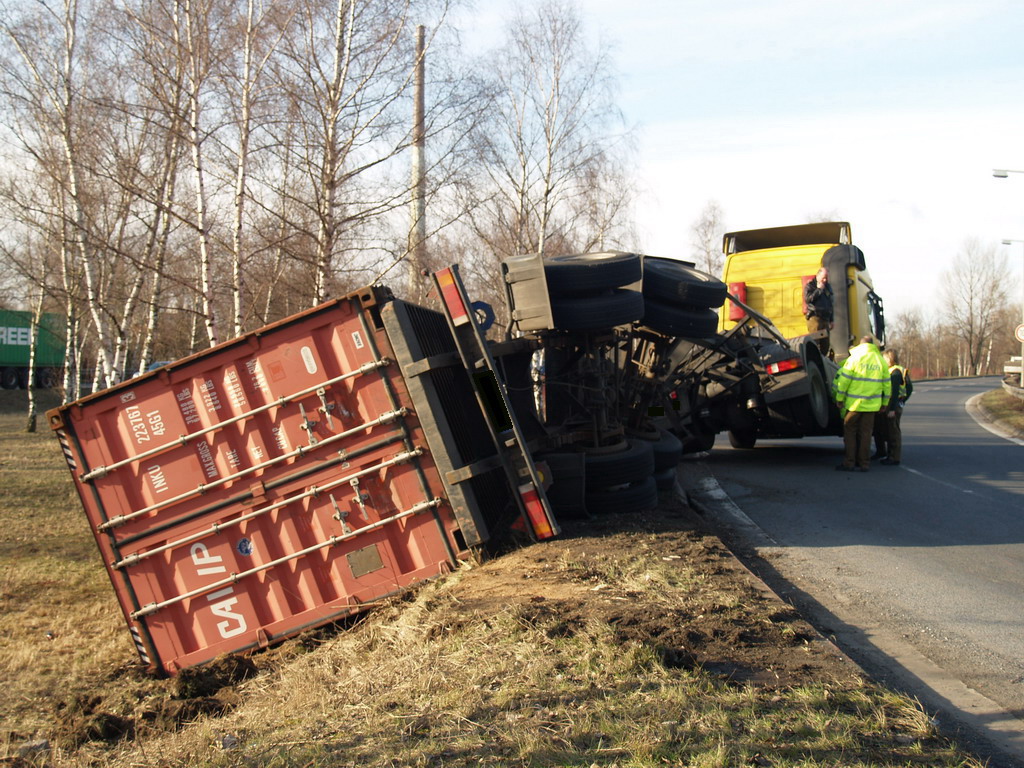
(420, 682)
(1004, 408)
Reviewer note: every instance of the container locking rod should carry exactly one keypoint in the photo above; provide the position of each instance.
(384, 418)
(234, 578)
(98, 472)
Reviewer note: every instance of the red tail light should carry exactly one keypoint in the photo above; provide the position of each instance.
(535, 511)
(739, 290)
(451, 297)
(785, 365)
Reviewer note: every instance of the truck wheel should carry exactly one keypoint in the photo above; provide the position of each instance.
(742, 440)
(668, 449)
(46, 378)
(665, 479)
(566, 494)
(9, 378)
(633, 498)
(591, 313)
(635, 462)
(814, 412)
(671, 320)
(577, 273)
(700, 441)
(681, 284)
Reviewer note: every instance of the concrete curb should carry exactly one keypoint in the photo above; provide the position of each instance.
(1013, 389)
(965, 710)
(984, 419)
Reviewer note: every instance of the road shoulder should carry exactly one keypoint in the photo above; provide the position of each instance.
(961, 712)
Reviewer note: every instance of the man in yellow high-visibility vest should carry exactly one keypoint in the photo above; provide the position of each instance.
(861, 389)
(888, 434)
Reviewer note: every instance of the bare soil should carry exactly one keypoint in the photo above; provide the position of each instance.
(736, 629)
(731, 626)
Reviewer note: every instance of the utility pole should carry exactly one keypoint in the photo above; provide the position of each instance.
(417, 247)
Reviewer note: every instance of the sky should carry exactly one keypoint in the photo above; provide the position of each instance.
(889, 114)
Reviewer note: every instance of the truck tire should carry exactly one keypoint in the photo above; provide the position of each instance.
(9, 378)
(699, 442)
(633, 498)
(742, 439)
(813, 411)
(679, 283)
(632, 464)
(671, 320)
(597, 312)
(665, 479)
(668, 450)
(567, 490)
(46, 378)
(580, 273)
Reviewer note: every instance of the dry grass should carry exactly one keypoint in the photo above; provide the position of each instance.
(1004, 408)
(419, 685)
(59, 622)
(423, 681)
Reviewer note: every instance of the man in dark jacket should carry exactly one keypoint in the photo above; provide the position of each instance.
(818, 307)
(888, 434)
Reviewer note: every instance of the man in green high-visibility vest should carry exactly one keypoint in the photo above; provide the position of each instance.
(861, 389)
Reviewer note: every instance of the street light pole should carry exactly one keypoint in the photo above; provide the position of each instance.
(1009, 242)
(1002, 173)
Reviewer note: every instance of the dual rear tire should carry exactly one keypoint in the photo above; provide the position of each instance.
(629, 480)
(680, 300)
(586, 290)
(622, 481)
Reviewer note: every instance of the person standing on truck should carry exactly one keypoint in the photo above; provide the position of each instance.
(888, 435)
(861, 388)
(818, 307)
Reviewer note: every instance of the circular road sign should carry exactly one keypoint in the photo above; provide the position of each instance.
(1019, 333)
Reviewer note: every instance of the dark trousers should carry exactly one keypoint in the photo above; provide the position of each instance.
(815, 323)
(857, 429)
(888, 436)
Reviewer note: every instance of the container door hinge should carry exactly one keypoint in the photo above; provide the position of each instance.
(340, 515)
(307, 425)
(325, 407)
(360, 498)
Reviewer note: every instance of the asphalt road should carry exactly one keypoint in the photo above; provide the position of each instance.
(917, 571)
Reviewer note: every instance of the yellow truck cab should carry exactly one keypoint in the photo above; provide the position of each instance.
(767, 269)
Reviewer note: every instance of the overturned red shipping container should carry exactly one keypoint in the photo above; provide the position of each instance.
(279, 481)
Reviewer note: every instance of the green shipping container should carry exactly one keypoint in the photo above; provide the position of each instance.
(15, 341)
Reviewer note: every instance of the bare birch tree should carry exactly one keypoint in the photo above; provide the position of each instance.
(553, 140)
(197, 49)
(348, 79)
(974, 290)
(706, 234)
(34, 325)
(43, 83)
(259, 28)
